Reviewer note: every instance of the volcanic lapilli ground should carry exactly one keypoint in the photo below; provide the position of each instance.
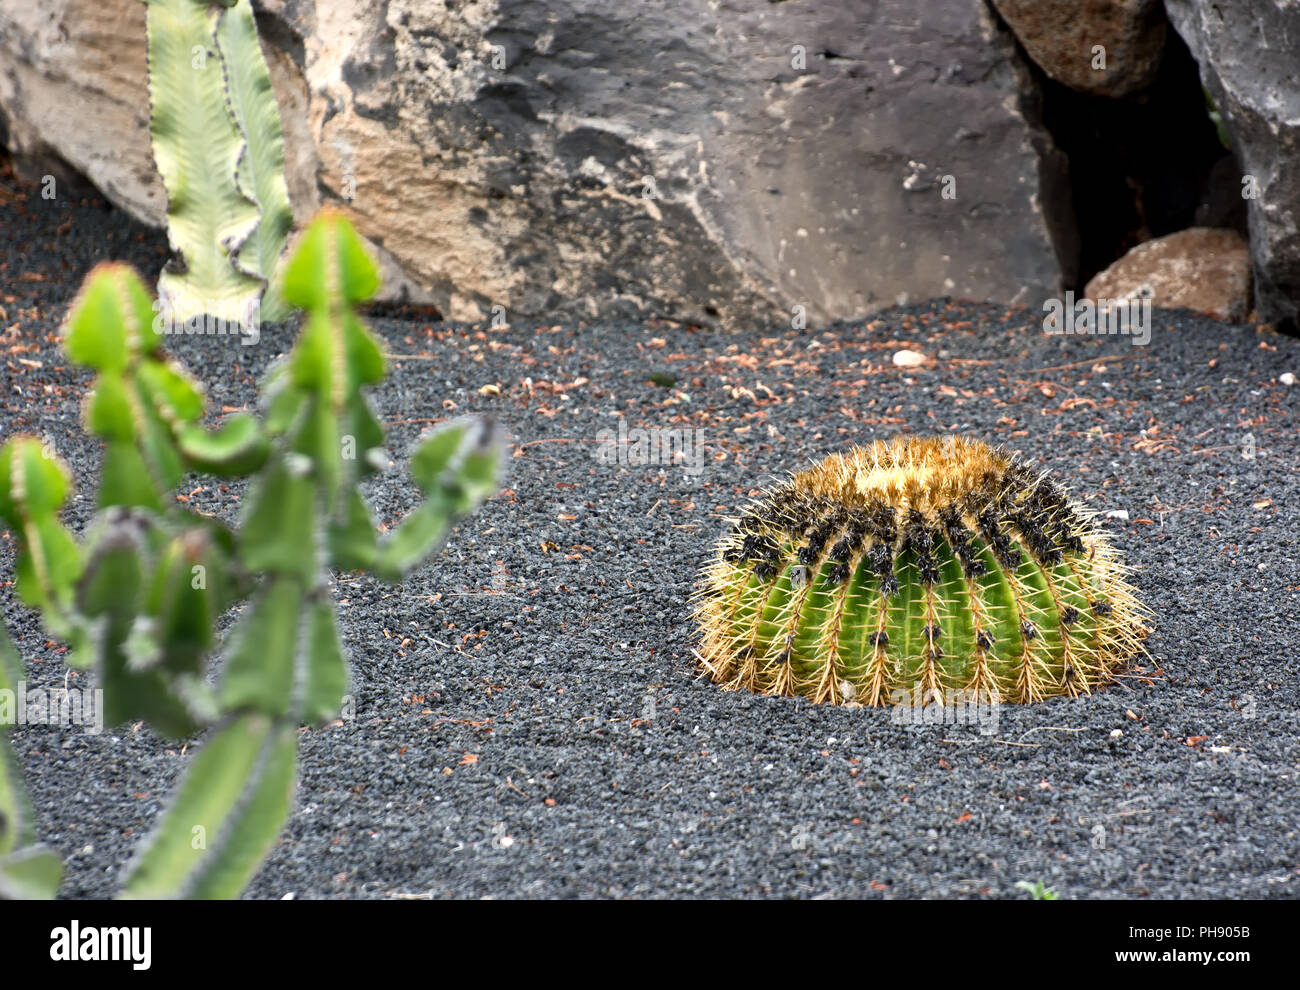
(529, 719)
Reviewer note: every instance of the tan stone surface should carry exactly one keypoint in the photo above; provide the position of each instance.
(73, 83)
(1061, 35)
(1201, 268)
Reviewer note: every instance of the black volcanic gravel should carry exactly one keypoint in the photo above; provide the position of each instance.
(528, 719)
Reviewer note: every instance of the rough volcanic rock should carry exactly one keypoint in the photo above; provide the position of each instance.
(1062, 37)
(1201, 269)
(73, 89)
(708, 161)
(1250, 63)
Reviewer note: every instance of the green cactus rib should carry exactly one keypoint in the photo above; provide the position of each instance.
(230, 806)
(17, 828)
(143, 404)
(33, 486)
(303, 514)
(198, 150)
(909, 571)
(261, 165)
(28, 871)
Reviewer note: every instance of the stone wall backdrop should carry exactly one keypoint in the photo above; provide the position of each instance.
(724, 161)
(1249, 53)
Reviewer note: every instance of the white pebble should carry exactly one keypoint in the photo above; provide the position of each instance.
(1116, 733)
(909, 359)
(1121, 514)
(1286, 378)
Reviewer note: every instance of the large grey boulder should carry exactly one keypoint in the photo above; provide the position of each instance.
(706, 160)
(1249, 55)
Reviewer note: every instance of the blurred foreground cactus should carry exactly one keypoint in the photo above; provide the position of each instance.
(139, 598)
(219, 147)
(27, 870)
(911, 571)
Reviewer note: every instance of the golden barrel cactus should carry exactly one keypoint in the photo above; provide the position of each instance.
(916, 568)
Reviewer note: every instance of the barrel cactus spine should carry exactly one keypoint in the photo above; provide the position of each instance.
(919, 568)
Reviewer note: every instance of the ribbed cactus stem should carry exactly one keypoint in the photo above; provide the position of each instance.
(919, 568)
(219, 148)
(27, 870)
